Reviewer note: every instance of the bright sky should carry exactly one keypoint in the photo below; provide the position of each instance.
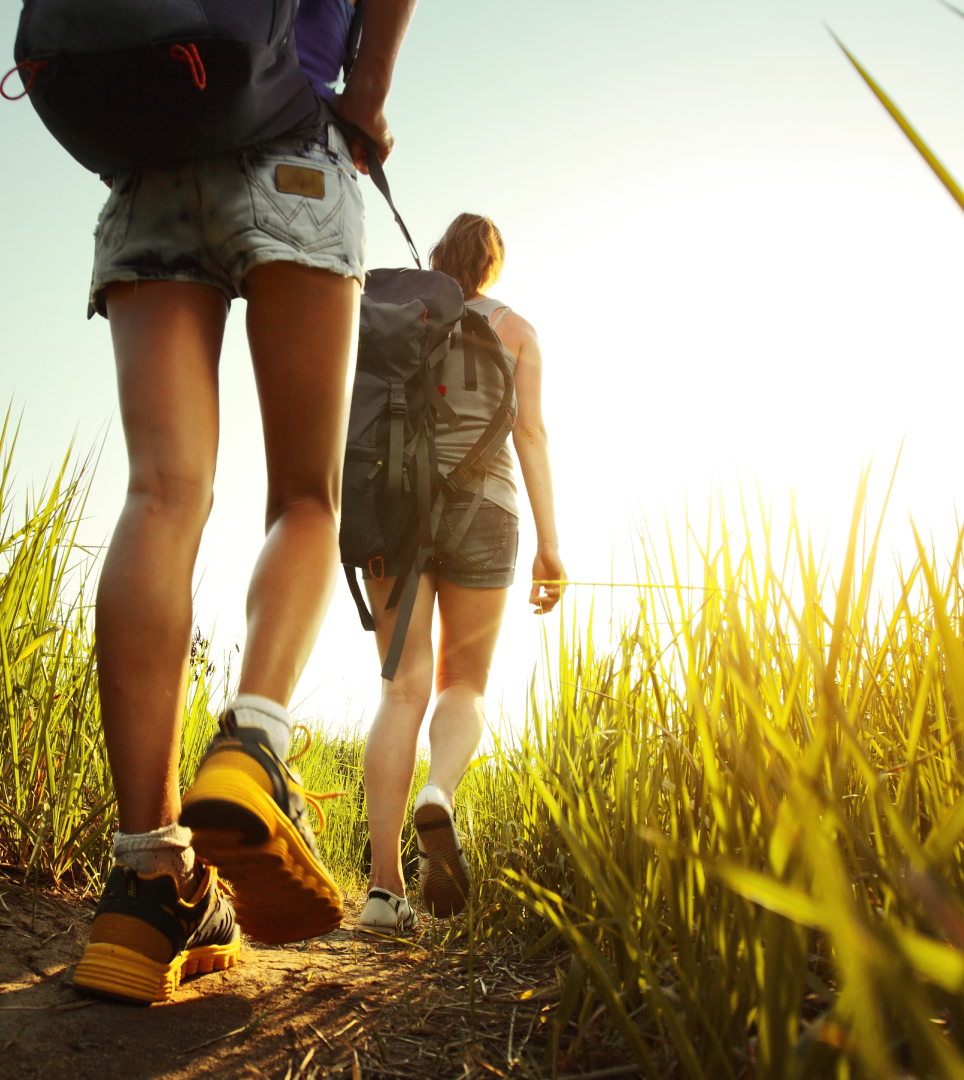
(737, 265)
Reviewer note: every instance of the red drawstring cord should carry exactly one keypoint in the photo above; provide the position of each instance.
(189, 55)
(380, 576)
(33, 66)
(183, 54)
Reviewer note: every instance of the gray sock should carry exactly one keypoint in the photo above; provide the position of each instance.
(260, 712)
(163, 851)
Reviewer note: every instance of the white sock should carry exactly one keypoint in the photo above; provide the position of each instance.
(260, 712)
(163, 851)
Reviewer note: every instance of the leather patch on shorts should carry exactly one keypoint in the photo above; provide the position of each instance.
(297, 180)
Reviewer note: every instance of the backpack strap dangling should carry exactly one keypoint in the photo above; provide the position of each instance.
(405, 588)
(367, 621)
(463, 526)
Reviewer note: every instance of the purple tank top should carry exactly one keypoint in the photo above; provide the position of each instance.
(321, 34)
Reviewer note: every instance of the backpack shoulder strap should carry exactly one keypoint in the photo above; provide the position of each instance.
(479, 336)
(471, 378)
(377, 173)
(354, 38)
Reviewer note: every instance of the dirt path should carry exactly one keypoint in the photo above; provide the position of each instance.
(342, 1005)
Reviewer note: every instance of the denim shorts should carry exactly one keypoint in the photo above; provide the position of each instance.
(211, 221)
(485, 559)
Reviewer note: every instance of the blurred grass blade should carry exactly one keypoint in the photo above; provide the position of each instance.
(773, 895)
(940, 964)
(922, 148)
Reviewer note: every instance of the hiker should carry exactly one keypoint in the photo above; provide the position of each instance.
(280, 224)
(471, 586)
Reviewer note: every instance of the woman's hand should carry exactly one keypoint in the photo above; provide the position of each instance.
(547, 567)
(367, 112)
(363, 102)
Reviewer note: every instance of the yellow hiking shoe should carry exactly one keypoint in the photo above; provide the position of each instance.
(247, 810)
(145, 938)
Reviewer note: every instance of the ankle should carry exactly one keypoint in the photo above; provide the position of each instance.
(162, 851)
(254, 711)
(448, 790)
(392, 883)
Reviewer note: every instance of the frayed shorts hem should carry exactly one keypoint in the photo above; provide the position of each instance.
(208, 222)
(98, 303)
(98, 306)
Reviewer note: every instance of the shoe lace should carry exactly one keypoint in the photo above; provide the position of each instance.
(304, 750)
(313, 798)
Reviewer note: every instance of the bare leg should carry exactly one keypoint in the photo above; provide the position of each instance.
(391, 745)
(167, 340)
(303, 331)
(470, 623)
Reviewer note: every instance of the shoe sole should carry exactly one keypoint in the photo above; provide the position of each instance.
(446, 885)
(121, 974)
(282, 893)
(389, 932)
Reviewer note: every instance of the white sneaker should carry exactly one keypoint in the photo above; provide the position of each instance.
(387, 913)
(443, 868)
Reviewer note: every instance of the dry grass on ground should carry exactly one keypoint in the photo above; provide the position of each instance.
(339, 1006)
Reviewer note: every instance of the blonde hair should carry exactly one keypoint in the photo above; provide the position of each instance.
(472, 251)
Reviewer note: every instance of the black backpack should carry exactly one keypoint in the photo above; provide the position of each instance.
(392, 494)
(124, 84)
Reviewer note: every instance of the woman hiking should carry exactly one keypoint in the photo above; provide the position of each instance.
(470, 588)
(280, 224)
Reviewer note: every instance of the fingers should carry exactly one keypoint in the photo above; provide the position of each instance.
(368, 121)
(359, 155)
(360, 150)
(545, 597)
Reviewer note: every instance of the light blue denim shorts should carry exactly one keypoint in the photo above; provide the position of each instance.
(211, 221)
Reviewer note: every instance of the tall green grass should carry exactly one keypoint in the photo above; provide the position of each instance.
(736, 824)
(743, 821)
(55, 788)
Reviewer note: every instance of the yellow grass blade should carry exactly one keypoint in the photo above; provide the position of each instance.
(922, 148)
(773, 895)
(940, 964)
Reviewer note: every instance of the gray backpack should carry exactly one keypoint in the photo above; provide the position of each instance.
(392, 493)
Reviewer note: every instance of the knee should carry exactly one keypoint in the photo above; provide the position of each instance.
(408, 694)
(182, 496)
(321, 502)
(461, 679)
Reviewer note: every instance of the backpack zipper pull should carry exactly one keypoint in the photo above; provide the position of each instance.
(374, 472)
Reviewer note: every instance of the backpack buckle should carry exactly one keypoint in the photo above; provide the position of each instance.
(397, 403)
